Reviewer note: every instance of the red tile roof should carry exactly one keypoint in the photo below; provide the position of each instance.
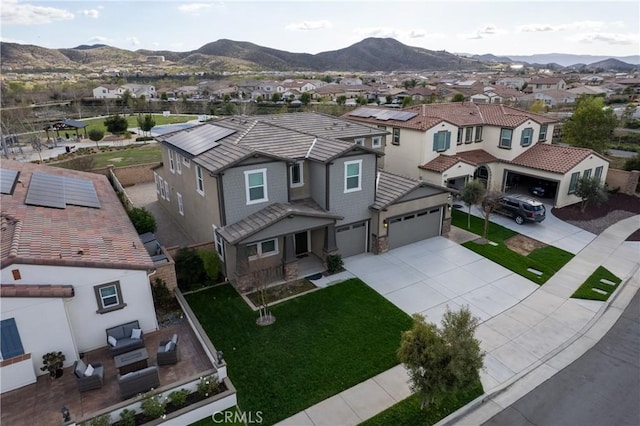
(441, 163)
(36, 290)
(444, 162)
(553, 158)
(73, 236)
(460, 114)
(477, 157)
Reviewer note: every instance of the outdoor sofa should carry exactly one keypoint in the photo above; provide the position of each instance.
(125, 337)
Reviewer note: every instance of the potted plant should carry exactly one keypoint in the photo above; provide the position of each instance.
(53, 363)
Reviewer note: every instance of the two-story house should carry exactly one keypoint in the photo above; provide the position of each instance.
(448, 144)
(279, 193)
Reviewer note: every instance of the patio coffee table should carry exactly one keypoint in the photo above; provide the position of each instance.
(131, 361)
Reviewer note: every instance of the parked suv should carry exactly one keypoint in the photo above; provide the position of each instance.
(521, 208)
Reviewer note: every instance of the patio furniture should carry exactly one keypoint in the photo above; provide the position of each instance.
(125, 338)
(138, 381)
(168, 351)
(131, 361)
(91, 381)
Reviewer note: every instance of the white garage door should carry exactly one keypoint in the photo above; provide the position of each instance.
(414, 227)
(352, 239)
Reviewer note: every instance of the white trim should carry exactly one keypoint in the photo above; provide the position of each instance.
(180, 204)
(199, 180)
(298, 184)
(162, 188)
(346, 167)
(259, 252)
(311, 148)
(179, 164)
(156, 178)
(217, 239)
(265, 195)
(166, 188)
(172, 162)
(186, 162)
(359, 141)
(379, 142)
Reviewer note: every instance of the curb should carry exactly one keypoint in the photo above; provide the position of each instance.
(452, 418)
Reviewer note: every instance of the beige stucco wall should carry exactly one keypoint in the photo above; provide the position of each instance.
(626, 181)
(409, 207)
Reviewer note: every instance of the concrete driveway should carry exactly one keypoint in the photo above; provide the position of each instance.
(427, 276)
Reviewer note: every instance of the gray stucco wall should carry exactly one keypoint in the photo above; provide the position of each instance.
(354, 206)
(235, 199)
(317, 182)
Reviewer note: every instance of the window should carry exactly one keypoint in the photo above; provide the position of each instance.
(505, 138)
(219, 243)
(263, 248)
(295, 175)
(527, 136)
(543, 133)
(179, 164)
(598, 173)
(157, 179)
(441, 141)
(360, 141)
(352, 174)
(162, 188)
(186, 162)
(199, 181)
(180, 205)
(459, 140)
(376, 142)
(574, 182)
(109, 297)
(11, 343)
(166, 190)
(172, 162)
(468, 135)
(396, 136)
(478, 133)
(256, 186)
(587, 173)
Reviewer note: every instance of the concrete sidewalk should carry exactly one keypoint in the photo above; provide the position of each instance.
(524, 345)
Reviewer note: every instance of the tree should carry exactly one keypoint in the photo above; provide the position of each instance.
(362, 100)
(276, 97)
(341, 99)
(627, 114)
(632, 164)
(146, 123)
(472, 193)
(116, 124)
(96, 135)
(489, 204)
(537, 107)
(441, 360)
(591, 125)
(407, 101)
(458, 97)
(591, 191)
(142, 220)
(305, 98)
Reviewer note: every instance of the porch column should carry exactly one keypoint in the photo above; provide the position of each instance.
(289, 260)
(243, 275)
(330, 239)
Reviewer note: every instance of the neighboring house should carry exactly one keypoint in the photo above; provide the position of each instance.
(487, 97)
(108, 92)
(279, 193)
(551, 97)
(590, 90)
(140, 90)
(448, 144)
(515, 83)
(546, 83)
(72, 266)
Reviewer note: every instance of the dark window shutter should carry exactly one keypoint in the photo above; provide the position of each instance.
(10, 339)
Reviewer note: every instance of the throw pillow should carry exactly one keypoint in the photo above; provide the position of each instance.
(112, 341)
(136, 333)
(89, 371)
(167, 347)
(80, 369)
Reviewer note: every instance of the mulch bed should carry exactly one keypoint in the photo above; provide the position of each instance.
(597, 218)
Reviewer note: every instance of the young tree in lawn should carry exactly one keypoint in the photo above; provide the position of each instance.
(305, 98)
(591, 125)
(442, 359)
(472, 193)
(489, 204)
(96, 135)
(591, 191)
(262, 274)
(146, 123)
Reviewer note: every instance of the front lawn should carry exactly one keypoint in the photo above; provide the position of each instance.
(585, 291)
(132, 121)
(321, 344)
(548, 260)
(119, 157)
(408, 412)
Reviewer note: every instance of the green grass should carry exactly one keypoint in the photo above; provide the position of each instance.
(585, 290)
(321, 344)
(132, 121)
(408, 412)
(120, 157)
(547, 260)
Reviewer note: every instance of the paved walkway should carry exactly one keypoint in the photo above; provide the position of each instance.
(524, 345)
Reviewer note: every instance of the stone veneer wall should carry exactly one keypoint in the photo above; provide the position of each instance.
(166, 271)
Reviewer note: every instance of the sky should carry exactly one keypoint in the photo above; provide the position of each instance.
(500, 27)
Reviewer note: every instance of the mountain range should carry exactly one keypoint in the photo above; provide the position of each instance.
(368, 55)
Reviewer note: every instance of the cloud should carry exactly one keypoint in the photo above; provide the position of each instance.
(91, 13)
(571, 26)
(27, 14)
(100, 40)
(481, 33)
(193, 7)
(608, 38)
(309, 25)
(133, 41)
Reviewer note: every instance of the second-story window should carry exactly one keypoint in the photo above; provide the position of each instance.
(376, 142)
(199, 180)
(441, 141)
(468, 135)
(459, 138)
(527, 135)
(360, 141)
(505, 138)
(179, 164)
(295, 175)
(172, 162)
(478, 133)
(543, 133)
(396, 136)
(352, 176)
(256, 186)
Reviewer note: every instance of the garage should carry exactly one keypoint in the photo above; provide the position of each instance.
(352, 239)
(414, 227)
(544, 189)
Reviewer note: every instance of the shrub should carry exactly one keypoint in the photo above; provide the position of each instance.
(116, 124)
(190, 271)
(102, 420)
(142, 220)
(128, 417)
(211, 263)
(96, 134)
(178, 398)
(152, 405)
(144, 138)
(208, 386)
(162, 296)
(632, 164)
(334, 263)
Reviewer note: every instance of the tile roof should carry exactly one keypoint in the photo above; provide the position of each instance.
(460, 114)
(36, 290)
(391, 187)
(477, 157)
(271, 214)
(444, 162)
(553, 158)
(74, 236)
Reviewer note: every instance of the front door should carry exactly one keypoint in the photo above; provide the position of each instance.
(302, 243)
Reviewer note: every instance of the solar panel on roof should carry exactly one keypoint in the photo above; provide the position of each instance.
(199, 140)
(8, 179)
(46, 190)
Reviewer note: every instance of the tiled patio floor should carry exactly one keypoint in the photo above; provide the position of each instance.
(39, 404)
